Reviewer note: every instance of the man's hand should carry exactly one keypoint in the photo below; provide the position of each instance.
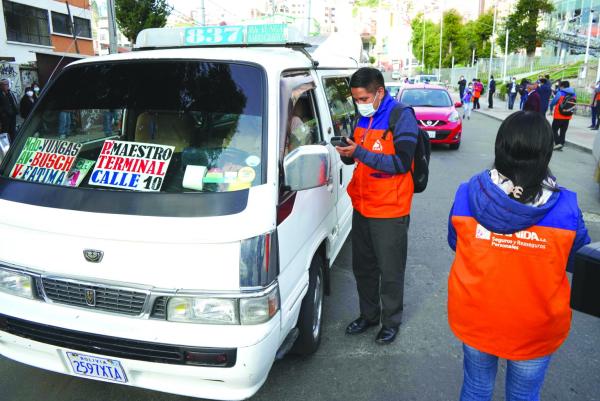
(347, 151)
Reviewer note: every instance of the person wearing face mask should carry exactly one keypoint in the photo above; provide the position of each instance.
(595, 106)
(381, 191)
(512, 90)
(27, 102)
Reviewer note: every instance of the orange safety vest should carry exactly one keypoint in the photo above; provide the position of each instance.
(508, 294)
(557, 115)
(375, 193)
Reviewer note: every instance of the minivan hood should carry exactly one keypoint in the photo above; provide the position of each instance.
(200, 253)
(433, 113)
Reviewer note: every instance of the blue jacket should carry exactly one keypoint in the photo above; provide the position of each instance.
(544, 91)
(559, 94)
(498, 213)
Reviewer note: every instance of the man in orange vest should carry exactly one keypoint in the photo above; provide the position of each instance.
(381, 191)
(562, 115)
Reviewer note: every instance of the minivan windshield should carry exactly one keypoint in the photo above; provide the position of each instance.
(158, 126)
(426, 98)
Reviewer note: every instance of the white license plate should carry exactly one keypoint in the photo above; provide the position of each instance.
(431, 134)
(92, 366)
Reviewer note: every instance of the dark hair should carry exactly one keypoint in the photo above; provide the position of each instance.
(543, 81)
(547, 76)
(523, 150)
(564, 84)
(367, 77)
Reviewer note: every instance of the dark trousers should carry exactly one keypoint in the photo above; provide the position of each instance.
(9, 125)
(379, 248)
(491, 100)
(559, 127)
(461, 92)
(476, 104)
(595, 116)
(511, 100)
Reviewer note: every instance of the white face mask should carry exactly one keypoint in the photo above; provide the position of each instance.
(29, 93)
(367, 109)
(36, 90)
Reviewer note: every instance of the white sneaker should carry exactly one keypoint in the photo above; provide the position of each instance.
(558, 147)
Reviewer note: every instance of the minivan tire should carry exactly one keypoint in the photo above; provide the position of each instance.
(311, 312)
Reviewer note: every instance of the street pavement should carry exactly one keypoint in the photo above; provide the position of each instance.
(425, 362)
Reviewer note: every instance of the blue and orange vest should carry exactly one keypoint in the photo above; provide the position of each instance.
(374, 193)
(508, 294)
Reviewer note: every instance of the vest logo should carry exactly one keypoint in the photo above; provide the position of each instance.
(377, 146)
(530, 235)
(483, 233)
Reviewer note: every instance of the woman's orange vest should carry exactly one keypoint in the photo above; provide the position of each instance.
(375, 193)
(508, 294)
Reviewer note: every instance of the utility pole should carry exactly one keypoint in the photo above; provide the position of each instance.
(423, 53)
(203, 11)
(493, 40)
(308, 19)
(587, 46)
(112, 27)
(505, 55)
(72, 27)
(441, 36)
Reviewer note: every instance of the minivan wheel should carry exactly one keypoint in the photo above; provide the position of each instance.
(311, 312)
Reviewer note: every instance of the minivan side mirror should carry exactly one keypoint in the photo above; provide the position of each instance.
(458, 104)
(306, 167)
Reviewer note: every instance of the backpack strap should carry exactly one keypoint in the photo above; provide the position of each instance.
(395, 116)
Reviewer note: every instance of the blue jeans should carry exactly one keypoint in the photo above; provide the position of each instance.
(64, 123)
(511, 100)
(595, 116)
(524, 379)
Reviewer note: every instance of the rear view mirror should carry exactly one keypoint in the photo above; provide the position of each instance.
(306, 167)
(458, 104)
(585, 293)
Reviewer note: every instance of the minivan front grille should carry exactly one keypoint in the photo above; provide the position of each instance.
(159, 309)
(94, 296)
(118, 347)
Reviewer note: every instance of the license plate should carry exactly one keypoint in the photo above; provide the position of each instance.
(92, 366)
(431, 134)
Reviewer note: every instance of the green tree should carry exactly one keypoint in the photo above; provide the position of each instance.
(432, 40)
(523, 25)
(136, 15)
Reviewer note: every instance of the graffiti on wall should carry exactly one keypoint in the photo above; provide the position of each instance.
(28, 77)
(10, 71)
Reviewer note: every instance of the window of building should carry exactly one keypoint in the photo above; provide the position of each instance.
(26, 24)
(83, 27)
(61, 23)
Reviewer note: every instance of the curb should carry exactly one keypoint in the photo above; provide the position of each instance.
(570, 143)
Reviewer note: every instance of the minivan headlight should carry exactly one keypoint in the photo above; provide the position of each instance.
(16, 283)
(203, 310)
(259, 310)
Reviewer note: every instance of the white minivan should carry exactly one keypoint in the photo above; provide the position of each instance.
(169, 216)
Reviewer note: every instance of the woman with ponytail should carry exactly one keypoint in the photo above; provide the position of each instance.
(514, 230)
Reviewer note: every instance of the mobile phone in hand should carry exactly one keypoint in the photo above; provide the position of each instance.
(340, 141)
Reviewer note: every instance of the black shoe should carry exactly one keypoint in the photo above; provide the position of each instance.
(386, 335)
(591, 126)
(594, 129)
(360, 325)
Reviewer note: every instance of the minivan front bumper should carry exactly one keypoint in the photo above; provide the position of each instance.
(253, 348)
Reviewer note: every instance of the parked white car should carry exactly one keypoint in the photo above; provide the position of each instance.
(169, 216)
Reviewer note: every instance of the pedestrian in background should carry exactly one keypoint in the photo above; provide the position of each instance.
(595, 107)
(477, 89)
(491, 91)
(533, 102)
(467, 102)
(381, 191)
(563, 106)
(462, 83)
(523, 92)
(512, 90)
(27, 102)
(8, 110)
(545, 91)
(514, 231)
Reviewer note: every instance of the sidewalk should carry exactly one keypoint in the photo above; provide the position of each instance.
(578, 135)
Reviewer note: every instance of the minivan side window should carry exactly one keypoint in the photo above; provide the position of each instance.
(303, 126)
(339, 99)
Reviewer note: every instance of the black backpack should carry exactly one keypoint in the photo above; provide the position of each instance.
(420, 173)
(568, 105)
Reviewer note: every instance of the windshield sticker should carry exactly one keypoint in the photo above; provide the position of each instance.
(45, 161)
(132, 165)
(252, 161)
(78, 172)
(214, 176)
(246, 174)
(193, 176)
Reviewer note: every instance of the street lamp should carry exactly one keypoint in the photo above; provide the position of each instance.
(493, 40)
(587, 46)
(423, 53)
(441, 36)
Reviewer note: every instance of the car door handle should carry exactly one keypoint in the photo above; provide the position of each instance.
(341, 176)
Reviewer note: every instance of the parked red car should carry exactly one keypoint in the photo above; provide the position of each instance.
(436, 113)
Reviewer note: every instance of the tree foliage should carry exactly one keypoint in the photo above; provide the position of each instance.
(136, 15)
(459, 39)
(523, 25)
